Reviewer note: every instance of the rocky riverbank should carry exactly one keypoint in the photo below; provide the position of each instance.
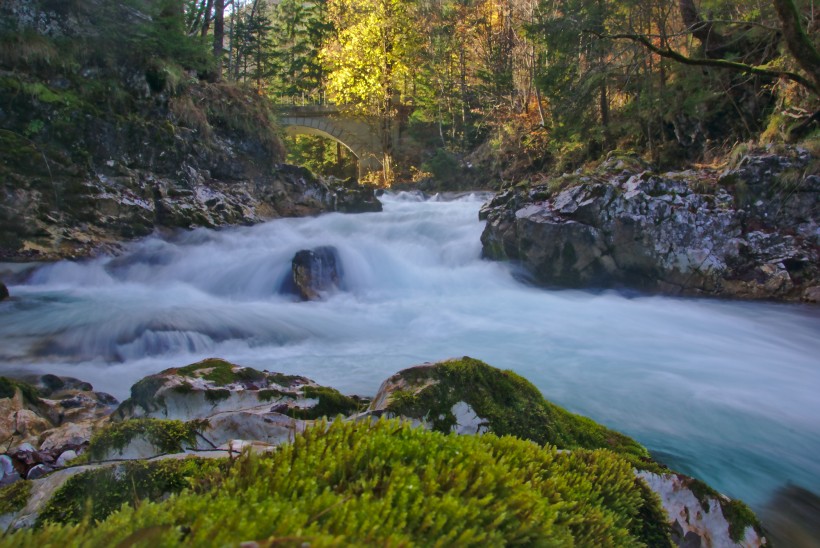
(182, 430)
(104, 141)
(750, 231)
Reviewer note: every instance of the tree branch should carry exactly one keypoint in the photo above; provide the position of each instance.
(716, 63)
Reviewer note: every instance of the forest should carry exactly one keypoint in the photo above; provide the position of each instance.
(541, 84)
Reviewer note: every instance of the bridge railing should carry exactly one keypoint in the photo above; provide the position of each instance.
(318, 99)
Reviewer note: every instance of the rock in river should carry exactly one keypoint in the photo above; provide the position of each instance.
(316, 271)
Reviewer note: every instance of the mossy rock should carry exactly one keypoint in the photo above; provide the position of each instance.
(509, 403)
(363, 483)
(166, 436)
(30, 394)
(14, 497)
(97, 493)
(331, 403)
(214, 385)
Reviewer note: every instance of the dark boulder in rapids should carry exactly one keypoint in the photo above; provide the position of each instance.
(316, 271)
(4, 292)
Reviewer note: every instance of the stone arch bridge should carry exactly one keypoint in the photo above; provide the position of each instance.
(358, 134)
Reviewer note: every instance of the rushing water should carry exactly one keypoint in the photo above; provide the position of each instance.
(725, 391)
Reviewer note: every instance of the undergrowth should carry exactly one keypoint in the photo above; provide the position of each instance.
(384, 483)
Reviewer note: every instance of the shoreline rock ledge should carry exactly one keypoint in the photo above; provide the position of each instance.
(199, 430)
(752, 231)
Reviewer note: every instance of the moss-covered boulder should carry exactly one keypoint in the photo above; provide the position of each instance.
(467, 396)
(363, 483)
(237, 402)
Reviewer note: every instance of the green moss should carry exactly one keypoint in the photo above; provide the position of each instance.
(215, 396)
(702, 492)
(652, 526)
(331, 403)
(739, 517)
(167, 436)
(362, 483)
(269, 394)
(736, 512)
(249, 374)
(284, 380)
(510, 403)
(183, 388)
(14, 497)
(43, 93)
(8, 387)
(144, 394)
(220, 372)
(96, 494)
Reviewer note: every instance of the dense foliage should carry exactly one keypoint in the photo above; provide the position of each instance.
(569, 79)
(370, 483)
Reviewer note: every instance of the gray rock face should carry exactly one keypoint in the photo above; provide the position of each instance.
(752, 233)
(698, 520)
(316, 272)
(237, 403)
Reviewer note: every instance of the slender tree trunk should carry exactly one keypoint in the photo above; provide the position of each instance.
(206, 23)
(219, 36)
(231, 42)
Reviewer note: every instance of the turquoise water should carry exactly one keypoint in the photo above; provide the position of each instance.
(725, 391)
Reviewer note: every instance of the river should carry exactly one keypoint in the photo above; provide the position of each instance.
(725, 391)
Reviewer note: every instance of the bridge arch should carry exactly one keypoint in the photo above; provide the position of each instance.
(354, 134)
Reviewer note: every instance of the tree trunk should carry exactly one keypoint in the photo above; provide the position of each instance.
(206, 22)
(798, 42)
(713, 42)
(219, 36)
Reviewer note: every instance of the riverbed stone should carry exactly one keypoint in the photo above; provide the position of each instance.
(700, 517)
(43, 417)
(233, 402)
(213, 386)
(316, 272)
